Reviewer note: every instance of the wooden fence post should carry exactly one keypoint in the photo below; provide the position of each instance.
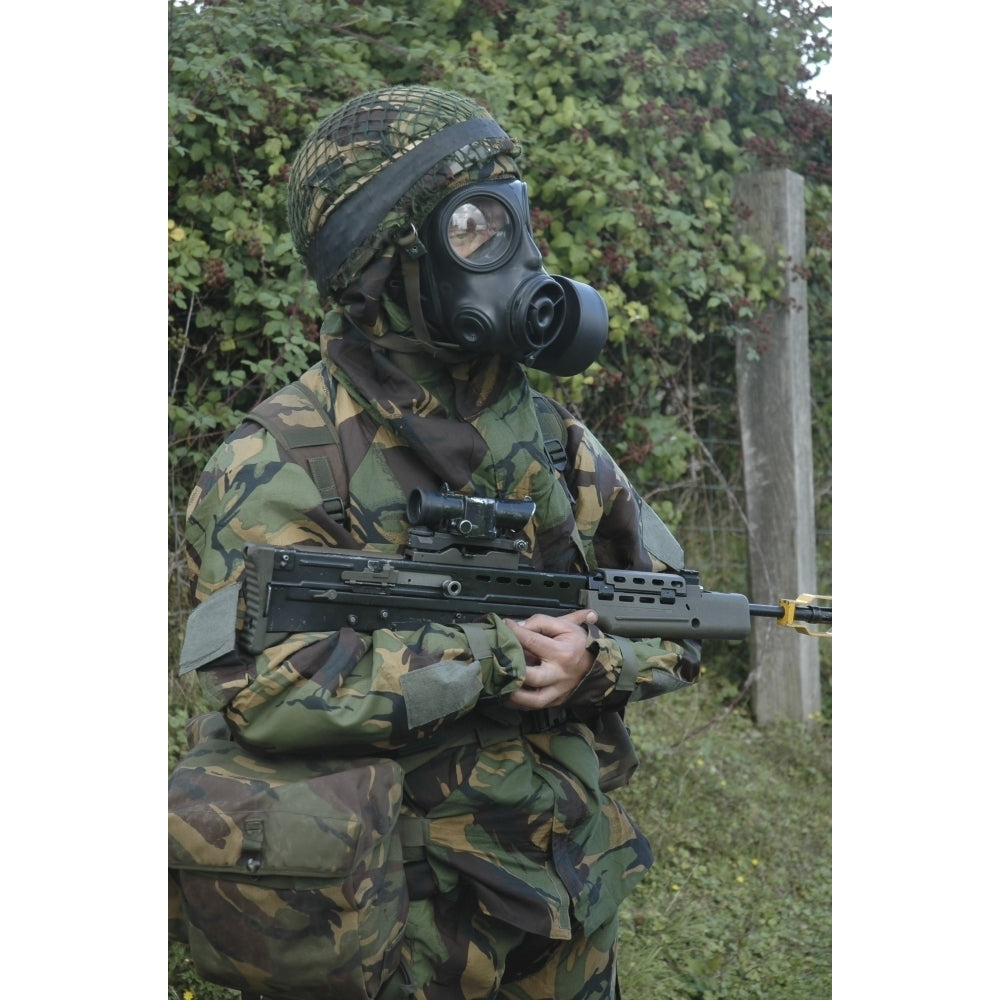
(773, 382)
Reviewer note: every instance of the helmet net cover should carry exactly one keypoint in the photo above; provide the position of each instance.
(356, 145)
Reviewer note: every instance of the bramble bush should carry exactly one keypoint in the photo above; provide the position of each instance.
(634, 122)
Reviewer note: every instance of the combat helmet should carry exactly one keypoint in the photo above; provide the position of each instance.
(373, 170)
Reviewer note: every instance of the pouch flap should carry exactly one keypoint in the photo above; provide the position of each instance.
(211, 630)
(234, 811)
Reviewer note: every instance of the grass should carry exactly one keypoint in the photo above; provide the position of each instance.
(738, 904)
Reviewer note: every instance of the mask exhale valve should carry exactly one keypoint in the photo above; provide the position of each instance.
(537, 308)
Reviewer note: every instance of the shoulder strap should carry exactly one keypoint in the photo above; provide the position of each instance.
(553, 431)
(302, 424)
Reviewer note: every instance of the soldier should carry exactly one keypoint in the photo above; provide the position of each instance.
(407, 206)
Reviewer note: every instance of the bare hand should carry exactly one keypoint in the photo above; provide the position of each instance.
(555, 650)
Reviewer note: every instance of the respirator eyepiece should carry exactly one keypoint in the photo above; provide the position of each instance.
(481, 232)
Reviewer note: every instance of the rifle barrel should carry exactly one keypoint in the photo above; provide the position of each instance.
(808, 613)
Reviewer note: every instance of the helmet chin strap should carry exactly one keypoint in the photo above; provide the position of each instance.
(412, 250)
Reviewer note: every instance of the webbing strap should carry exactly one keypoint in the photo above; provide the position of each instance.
(322, 476)
(478, 640)
(554, 437)
(630, 666)
(326, 469)
(553, 431)
(413, 835)
(338, 471)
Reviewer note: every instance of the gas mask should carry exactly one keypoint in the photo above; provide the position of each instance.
(483, 287)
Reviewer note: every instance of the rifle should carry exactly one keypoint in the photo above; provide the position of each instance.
(461, 561)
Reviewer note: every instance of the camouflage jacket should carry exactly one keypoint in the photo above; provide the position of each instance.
(523, 814)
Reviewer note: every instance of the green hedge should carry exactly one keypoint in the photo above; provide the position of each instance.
(634, 119)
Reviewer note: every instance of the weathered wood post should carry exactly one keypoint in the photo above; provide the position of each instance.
(775, 427)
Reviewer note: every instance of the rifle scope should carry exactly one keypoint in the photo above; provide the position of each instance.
(468, 516)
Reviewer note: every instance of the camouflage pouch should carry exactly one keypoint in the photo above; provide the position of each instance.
(287, 872)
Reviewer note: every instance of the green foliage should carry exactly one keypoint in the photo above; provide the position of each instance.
(634, 120)
(248, 82)
(185, 984)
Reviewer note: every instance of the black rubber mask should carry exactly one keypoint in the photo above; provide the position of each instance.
(483, 286)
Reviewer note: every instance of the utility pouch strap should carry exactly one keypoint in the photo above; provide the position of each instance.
(630, 666)
(479, 643)
(413, 836)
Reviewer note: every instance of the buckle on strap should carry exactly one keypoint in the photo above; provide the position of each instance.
(543, 719)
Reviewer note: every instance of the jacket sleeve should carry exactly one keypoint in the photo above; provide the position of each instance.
(352, 692)
(620, 530)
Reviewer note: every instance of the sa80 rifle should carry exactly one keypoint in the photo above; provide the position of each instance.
(461, 561)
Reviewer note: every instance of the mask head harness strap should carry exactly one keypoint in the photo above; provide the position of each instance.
(412, 250)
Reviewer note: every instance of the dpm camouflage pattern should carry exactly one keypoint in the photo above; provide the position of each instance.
(307, 851)
(464, 955)
(522, 841)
